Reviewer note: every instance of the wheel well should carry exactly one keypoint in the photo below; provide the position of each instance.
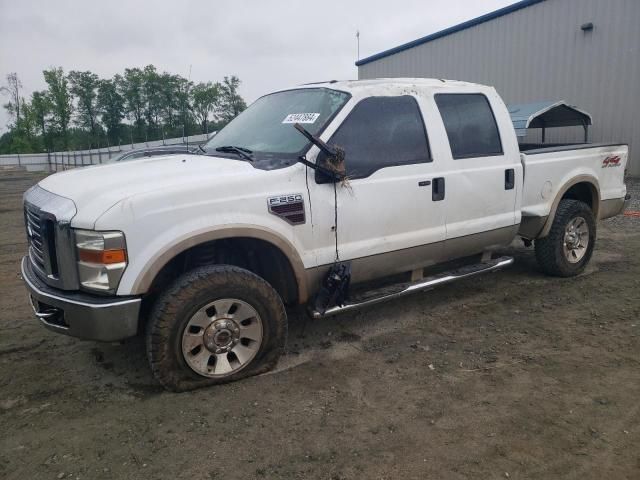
(585, 192)
(258, 256)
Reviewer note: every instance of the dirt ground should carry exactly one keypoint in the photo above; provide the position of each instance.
(511, 375)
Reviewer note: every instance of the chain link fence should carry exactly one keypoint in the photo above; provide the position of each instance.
(55, 161)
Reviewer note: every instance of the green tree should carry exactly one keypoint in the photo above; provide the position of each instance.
(41, 108)
(23, 138)
(12, 90)
(28, 124)
(132, 92)
(111, 106)
(183, 98)
(231, 103)
(152, 95)
(152, 104)
(175, 100)
(61, 103)
(205, 101)
(168, 99)
(84, 86)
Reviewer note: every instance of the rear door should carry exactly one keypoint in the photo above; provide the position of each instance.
(387, 219)
(481, 183)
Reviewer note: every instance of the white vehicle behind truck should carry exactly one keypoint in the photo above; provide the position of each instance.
(335, 195)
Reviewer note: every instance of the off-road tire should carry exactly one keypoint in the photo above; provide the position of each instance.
(549, 250)
(176, 305)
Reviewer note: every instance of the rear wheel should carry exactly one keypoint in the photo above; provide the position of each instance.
(567, 249)
(215, 324)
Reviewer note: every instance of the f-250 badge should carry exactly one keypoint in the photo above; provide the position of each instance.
(284, 199)
(288, 207)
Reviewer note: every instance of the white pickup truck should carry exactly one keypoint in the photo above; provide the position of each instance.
(201, 253)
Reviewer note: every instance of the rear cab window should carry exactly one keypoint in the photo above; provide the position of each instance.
(382, 132)
(470, 125)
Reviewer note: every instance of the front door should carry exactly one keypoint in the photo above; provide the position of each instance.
(387, 218)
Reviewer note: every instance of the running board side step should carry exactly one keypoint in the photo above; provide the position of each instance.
(419, 286)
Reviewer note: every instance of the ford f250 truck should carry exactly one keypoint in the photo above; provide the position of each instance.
(334, 195)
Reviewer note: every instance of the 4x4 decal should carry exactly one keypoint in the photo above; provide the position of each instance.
(612, 161)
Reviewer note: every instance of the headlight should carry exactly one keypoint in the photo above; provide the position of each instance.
(102, 258)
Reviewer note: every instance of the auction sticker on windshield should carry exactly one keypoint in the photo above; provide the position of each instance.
(301, 118)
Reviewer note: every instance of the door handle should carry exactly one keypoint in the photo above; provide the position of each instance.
(437, 191)
(509, 179)
(424, 183)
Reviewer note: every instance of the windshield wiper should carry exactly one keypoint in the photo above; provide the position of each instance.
(241, 151)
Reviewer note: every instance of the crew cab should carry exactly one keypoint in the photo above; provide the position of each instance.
(333, 195)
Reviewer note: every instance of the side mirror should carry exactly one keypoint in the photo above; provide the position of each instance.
(330, 160)
(332, 169)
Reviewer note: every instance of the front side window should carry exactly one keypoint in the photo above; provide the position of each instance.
(266, 127)
(470, 125)
(382, 132)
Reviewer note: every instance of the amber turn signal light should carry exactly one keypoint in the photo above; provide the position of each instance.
(105, 257)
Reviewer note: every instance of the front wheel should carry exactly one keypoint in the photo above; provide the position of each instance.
(215, 324)
(567, 249)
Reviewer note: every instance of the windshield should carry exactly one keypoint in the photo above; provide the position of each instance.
(266, 127)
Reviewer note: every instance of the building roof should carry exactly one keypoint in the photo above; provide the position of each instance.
(448, 31)
(546, 115)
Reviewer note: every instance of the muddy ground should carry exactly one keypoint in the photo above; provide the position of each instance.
(511, 375)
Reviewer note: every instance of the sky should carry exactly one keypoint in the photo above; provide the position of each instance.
(269, 44)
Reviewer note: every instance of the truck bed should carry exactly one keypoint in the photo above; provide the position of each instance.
(549, 171)
(533, 148)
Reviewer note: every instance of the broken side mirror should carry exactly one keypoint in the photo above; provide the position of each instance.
(332, 167)
(330, 164)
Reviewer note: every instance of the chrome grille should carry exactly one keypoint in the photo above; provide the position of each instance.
(36, 237)
(47, 217)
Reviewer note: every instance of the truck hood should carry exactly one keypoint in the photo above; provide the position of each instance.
(96, 189)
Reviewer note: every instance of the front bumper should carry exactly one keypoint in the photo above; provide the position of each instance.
(80, 314)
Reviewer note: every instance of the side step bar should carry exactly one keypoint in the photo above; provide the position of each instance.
(419, 286)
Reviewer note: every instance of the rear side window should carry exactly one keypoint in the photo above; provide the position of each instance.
(382, 132)
(470, 125)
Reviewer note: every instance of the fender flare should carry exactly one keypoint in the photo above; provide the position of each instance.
(595, 199)
(149, 272)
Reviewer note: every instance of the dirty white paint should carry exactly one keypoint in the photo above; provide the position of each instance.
(162, 202)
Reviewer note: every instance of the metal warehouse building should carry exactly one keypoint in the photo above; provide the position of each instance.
(586, 52)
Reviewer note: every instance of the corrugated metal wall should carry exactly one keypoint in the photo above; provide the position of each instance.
(540, 53)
